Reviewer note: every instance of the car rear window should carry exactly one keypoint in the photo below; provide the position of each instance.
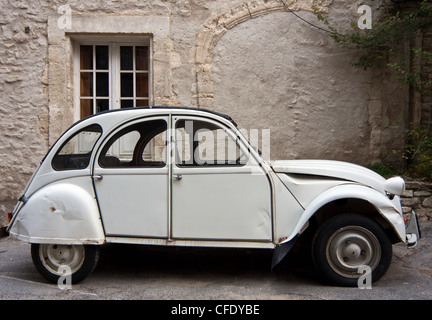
(75, 153)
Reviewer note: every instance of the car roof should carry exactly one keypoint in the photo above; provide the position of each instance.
(225, 116)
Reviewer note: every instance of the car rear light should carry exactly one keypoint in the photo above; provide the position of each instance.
(405, 219)
(9, 216)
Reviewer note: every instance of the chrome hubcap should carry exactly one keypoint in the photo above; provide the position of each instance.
(351, 247)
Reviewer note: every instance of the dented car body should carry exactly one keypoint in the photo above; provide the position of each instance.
(188, 177)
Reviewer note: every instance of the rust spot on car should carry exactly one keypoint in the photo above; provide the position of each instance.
(53, 209)
(282, 239)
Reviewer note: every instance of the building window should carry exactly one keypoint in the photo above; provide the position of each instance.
(112, 76)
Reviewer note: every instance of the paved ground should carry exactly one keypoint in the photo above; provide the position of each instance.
(137, 272)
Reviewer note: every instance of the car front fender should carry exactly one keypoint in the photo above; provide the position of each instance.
(390, 210)
(61, 213)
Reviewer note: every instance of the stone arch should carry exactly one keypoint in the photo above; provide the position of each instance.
(218, 24)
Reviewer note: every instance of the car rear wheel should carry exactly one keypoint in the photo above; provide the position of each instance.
(53, 260)
(346, 246)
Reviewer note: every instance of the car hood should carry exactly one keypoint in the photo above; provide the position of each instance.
(334, 169)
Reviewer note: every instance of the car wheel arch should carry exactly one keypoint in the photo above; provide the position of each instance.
(62, 213)
(352, 205)
(352, 198)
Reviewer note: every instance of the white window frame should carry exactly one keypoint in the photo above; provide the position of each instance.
(114, 42)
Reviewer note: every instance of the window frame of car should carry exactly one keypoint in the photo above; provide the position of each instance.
(88, 155)
(123, 129)
(233, 134)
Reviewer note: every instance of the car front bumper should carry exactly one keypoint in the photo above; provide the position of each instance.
(413, 233)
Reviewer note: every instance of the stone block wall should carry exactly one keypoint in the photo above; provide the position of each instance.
(418, 197)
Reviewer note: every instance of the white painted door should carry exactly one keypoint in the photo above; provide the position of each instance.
(132, 187)
(218, 191)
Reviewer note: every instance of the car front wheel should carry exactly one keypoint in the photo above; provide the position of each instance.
(54, 260)
(348, 246)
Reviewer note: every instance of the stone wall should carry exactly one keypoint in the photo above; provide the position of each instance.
(24, 100)
(418, 197)
(249, 58)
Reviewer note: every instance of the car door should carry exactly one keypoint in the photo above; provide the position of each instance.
(131, 179)
(219, 192)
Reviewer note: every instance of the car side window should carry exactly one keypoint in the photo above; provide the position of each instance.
(201, 143)
(142, 144)
(75, 153)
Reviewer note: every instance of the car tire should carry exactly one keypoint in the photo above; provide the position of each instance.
(54, 261)
(349, 246)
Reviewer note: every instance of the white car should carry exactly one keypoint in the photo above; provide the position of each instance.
(188, 177)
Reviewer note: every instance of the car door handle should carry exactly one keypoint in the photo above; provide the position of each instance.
(178, 176)
(97, 177)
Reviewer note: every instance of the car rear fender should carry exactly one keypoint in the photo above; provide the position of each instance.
(61, 213)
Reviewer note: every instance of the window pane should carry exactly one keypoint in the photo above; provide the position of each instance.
(216, 147)
(75, 153)
(121, 150)
(184, 143)
(199, 143)
(142, 58)
(102, 84)
(86, 108)
(127, 104)
(102, 105)
(102, 57)
(142, 103)
(86, 84)
(86, 57)
(139, 145)
(142, 85)
(126, 84)
(99, 75)
(155, 150)
(126, 58)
